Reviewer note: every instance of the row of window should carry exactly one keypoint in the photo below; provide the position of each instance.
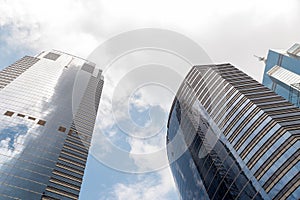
(63, 185)
(60, 192)
(72, 158)
(13, 191)
(40, 122)
(15, 70)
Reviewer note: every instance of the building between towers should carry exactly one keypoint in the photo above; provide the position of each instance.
(282, 73)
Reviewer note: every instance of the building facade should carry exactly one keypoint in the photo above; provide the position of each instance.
(282, 73)
(48, 107)
(230, 137)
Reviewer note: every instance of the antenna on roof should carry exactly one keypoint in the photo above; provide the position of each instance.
(260, 58)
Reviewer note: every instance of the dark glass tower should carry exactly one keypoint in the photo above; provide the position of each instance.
(230, 137)
(48, 107)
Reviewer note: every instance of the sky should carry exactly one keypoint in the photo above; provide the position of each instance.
(228, 31)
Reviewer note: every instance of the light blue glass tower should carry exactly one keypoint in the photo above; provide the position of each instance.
(48, 107)
(282, 73)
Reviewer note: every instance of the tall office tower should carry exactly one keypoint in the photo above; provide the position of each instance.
(282, 73)
(48, 106)
(230, 137)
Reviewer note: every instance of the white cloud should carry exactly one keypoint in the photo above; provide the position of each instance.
(42, 25)
(230, 31)
(158, 186)
(79, 26)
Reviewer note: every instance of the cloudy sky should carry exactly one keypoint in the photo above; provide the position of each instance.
(228, 31)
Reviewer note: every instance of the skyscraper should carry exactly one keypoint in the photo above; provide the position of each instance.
(48, 107)
(282, 73)
(230, 137)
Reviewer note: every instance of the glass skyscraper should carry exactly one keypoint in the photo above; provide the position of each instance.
(282, 73)
(230, 137)
(48, 107)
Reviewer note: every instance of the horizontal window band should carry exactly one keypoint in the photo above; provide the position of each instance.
(243, 83)
(76, 144)
(73, 155)
(291, 127)
(67, 176)
(84, 153)
(75, 136)
(283, 111)
(22, 178)
(61, 192)
(287, 118)
(7, 196)
(25, 169)
(258, 95)
(72, 162)
(268, 105)
(249, 85)
(20, 188)
(233, 75)
(69, 169)
(69, 156)
(269, 97)
(62, 183)
(254, 89)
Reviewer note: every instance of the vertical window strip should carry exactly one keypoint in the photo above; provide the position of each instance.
(247, 134)
(265, 147)
(280, 172)
(227, 108)
(247, 113)
(257, 138)
(275, 156)
(234, 115)
(289, 188)
(223, 104)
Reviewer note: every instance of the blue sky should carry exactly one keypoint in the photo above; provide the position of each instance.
(229, 31)
(10, 53)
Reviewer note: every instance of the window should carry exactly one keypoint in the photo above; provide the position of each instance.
(8, 113)
(70, 132)
(31, 118)
(41, 122)
(20, 115)
(62, 129)
(88, 68)
(52, 56)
